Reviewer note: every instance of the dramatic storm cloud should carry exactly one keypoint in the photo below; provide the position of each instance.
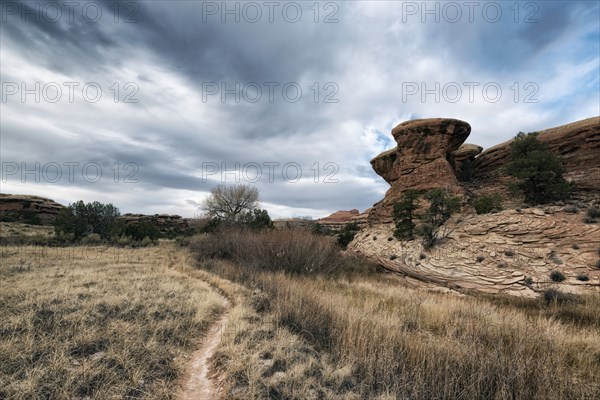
(149, 104)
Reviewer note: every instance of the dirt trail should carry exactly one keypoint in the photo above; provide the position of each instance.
(197, 384)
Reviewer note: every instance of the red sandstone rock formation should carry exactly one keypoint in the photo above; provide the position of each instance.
(422, 160)
(513, 251)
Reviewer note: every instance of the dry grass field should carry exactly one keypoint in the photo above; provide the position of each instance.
(113, 323)
(98, 322)
(365, 336)
(11, 229)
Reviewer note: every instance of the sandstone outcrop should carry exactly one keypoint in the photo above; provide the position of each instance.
(513, 251)
(422, 160)
(28, 209)
(463, 159)
(495, 253)
(578, 145)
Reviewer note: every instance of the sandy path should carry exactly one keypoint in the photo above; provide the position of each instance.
(197, 384)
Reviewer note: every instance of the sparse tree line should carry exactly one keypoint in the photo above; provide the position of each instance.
(96, 222)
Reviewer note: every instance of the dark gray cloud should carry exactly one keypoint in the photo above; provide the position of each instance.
(173, 50)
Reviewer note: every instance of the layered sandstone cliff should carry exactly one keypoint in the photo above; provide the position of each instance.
(578, 145)
(495, 253)
(513, 251)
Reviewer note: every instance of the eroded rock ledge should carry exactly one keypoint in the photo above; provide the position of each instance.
(495, 252)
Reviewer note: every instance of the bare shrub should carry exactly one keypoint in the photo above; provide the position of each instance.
(294, 251)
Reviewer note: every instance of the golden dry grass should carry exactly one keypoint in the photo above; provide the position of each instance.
(422, 345)
(261, 359)
(387, 341)
(101, 323)
(98, 322)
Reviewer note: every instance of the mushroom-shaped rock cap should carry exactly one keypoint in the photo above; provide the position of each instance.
(420, 161)
(447, 133)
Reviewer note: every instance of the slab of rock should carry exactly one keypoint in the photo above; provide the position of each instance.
(517, 246)
(422, 160)
(466, 151)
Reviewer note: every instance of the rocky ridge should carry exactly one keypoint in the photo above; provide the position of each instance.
(165, 223)
(578, 145)
(28, 209)
(513, 251)
(495, 253)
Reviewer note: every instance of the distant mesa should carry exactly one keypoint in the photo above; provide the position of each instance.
(28, 209)
(339, 219)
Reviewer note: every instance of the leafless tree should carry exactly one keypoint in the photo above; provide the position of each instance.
(229, 202)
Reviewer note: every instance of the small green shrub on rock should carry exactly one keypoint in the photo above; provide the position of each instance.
(487, 204)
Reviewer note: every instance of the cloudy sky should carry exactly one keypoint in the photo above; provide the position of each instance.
(149, 104)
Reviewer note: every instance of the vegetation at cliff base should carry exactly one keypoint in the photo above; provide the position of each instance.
(431, 222)
(404, 215)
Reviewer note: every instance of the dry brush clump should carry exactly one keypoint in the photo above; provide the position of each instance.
(97, 323)
(295, 251)
(403, 343)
